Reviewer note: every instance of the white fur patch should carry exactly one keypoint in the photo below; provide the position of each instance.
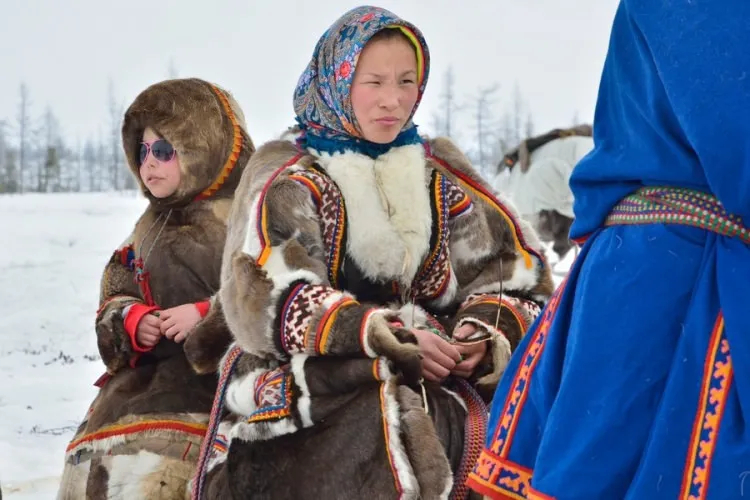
(240, 397)
(388, 209)
(400, 460)
(217, 458)
(252, 245)
(412, 315)
(297, 366)
(523, 278)
(283, 281)
(384, 370)
(493, 288)
(376, 315)
(126, 473)
(262, 431)
(448, 488)
(462, 251)
(275, 265)
(458, 398)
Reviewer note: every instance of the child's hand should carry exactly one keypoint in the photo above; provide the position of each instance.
(148, 332)
(178, 321)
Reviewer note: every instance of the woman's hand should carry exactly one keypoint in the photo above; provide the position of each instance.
(439, 357)
(472, 353)
(177, 322)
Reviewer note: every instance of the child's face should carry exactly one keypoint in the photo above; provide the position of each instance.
(160, 167)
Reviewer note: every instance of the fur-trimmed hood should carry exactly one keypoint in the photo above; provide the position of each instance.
(204, 124)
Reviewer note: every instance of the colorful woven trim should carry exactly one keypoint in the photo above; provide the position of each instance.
(217, 410)
(718, 376)
(273, 395)
(475, 433)
(233, 155)
(669, 205)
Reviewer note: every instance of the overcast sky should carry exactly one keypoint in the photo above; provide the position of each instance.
(67, 50)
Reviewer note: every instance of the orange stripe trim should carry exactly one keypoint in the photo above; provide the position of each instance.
(146, 425)
(233, 155)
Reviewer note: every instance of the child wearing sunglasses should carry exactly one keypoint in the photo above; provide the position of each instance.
(186, 143)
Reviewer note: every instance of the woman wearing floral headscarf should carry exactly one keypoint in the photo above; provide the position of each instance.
(373, 284)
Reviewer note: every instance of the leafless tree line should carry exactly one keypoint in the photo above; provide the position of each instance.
(35, 155)
(494, 129)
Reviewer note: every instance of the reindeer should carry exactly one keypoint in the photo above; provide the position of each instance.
(542, 194)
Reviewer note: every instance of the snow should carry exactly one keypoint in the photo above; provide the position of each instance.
(53, 251)
(52, 254)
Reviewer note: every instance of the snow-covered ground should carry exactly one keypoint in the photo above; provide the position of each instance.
(53, 250)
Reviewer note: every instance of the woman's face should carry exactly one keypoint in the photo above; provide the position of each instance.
(385, 88)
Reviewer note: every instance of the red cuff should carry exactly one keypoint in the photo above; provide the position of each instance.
(136, 312)
(203, 307)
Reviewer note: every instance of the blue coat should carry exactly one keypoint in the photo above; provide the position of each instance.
(635, 381)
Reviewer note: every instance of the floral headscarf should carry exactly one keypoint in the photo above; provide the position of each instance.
(322, 99)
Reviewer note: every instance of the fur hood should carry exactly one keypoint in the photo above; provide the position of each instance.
(204, 124)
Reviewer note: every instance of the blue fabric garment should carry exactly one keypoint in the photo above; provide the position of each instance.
(322, 98)
(672, 107)
(634, 383)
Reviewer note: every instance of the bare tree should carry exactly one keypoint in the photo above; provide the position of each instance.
(23, 132)
(485, 134)
(444, 119)
(8, 182)
(172, 69)
(101, 161)
(76, 167)
(49, 173)
(529, 127)
(90, 165)
(116, 110)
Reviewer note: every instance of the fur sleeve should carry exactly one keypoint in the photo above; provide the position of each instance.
(497, 258)
(118, 291)
(275, 292)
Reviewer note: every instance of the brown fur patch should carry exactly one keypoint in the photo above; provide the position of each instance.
(554, 226)
(425, 451)
(243, 294)
(97, 484)
(398, 345)
(221, 208)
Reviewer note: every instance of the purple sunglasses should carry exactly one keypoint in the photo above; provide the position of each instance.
(161, 149)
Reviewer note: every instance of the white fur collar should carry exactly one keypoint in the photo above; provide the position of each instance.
(389, 228)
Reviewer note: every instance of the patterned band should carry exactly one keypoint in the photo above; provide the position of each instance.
(668, 205)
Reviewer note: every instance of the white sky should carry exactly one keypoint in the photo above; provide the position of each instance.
(67, 50)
